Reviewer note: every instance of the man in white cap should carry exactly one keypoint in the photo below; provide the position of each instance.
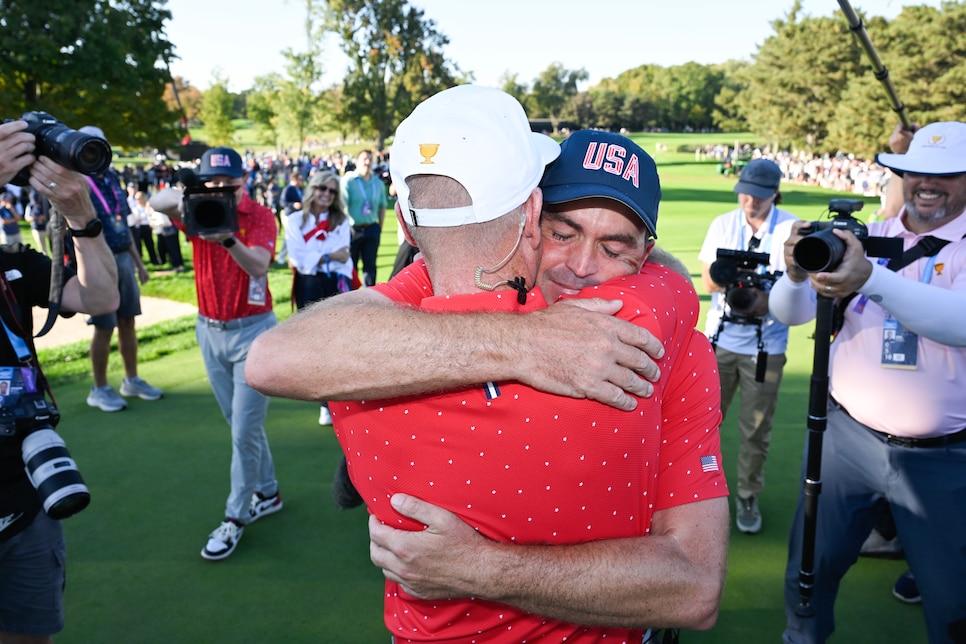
(896, 428)
(526, 469)
(749, 343)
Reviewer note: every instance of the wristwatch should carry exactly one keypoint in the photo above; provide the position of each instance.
(228, 243)
(92, 229)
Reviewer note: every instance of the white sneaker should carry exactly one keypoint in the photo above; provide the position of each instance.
(105, 399)
(325, 418)
(747, 515)
(136, 386)
(222, 541)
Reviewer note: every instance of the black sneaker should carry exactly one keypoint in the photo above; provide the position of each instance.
(906, 589)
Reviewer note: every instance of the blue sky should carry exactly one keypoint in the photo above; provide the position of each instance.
(242, 38)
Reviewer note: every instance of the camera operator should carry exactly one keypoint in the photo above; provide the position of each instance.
(896, 431)
(32, 549)
(749, 343)
(235, 306)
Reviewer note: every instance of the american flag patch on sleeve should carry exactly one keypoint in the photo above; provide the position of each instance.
(709, 463)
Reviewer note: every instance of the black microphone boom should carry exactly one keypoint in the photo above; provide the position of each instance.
(881, 73)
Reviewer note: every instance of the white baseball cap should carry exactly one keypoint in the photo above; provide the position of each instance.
(478, 136)
(938, 148)
(93, 130)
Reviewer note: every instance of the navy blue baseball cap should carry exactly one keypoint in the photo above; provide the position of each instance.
(223, 162)
(760, 179)
(604, 164)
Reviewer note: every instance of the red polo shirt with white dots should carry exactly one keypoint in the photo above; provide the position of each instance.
(222, 285)
(527, 467)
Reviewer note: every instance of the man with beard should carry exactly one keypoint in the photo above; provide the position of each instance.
(896, 433)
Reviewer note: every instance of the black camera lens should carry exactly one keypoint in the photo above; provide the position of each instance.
(819, 251)
(75, 150)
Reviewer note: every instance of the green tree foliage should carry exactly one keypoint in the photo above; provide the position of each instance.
(511, 84)
(261, 106)
(100, 62)
(553, 89)
(798, 78)
(395, 61)
(298, 103)
(216, 112)
(725, 114)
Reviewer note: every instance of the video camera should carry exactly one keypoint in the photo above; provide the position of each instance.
(207, 210)
(74, 150)
(27, 416)
(736, 271)
(820, 250)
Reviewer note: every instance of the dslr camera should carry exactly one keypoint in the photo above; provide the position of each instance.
(27, 416)
(74, 150)
(737, 272)
(207, 210)
(820, 250)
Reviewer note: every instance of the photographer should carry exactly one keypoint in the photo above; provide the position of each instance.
(749, 343)
(235, 306)
(896, 430)
(32, 550)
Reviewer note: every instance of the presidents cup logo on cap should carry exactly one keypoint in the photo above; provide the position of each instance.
(938, 148)
(428, 151)
(479, 137)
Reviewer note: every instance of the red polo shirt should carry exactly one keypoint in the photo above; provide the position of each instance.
(527, 467)
(221, 283)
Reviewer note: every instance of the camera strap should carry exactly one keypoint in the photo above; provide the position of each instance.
(55, 230)
(928, 246)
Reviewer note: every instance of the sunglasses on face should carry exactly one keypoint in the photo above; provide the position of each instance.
(324, 189)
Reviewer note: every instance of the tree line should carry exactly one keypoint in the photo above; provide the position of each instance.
(808, 86)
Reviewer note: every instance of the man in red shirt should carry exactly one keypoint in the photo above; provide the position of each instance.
(521, 467)
(235, 306)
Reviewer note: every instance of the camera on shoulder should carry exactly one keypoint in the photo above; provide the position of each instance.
(737, 272)
(207, 210)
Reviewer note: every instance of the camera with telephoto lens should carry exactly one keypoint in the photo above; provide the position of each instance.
(207, 210)
(820, 249)
(737, 272)
(74, 150)
(26, 415)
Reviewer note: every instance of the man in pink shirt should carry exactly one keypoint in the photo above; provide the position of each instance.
(896, 433)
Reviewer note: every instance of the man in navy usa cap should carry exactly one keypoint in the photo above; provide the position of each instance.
(234, 306)
(598, 222)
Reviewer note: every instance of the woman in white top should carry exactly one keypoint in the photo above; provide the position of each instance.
(317, 238)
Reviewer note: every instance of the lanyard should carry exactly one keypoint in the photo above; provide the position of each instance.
(19, 345)
(770, 235)
(97, 191)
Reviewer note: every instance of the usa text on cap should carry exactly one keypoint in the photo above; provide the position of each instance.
(604, 164)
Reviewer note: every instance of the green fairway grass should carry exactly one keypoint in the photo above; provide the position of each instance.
(158, 475)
